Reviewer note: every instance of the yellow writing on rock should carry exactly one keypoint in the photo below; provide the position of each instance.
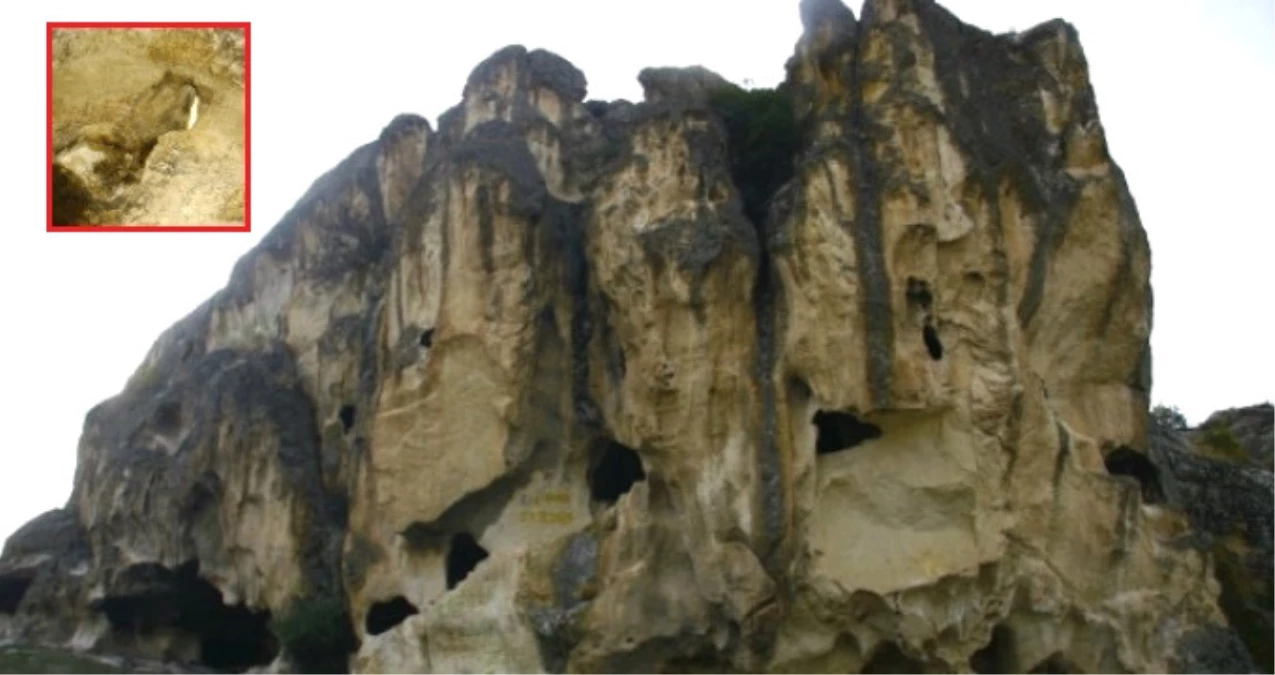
(548, 507)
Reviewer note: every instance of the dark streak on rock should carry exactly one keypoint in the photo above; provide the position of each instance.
(866, 231)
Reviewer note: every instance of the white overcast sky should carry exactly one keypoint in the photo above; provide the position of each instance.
(1184, 87)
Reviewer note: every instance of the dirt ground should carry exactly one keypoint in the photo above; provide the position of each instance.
(189, 177)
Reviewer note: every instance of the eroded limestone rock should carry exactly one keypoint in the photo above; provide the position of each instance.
(533, 392)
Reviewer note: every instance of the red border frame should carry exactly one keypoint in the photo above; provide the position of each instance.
(247, 128)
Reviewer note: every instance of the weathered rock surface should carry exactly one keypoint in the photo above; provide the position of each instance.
(1230, 506)
(148, 126)
(533, 392)
(1250, 429)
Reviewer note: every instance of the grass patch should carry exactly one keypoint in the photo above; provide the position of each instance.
(31, 659)
(1217, 441)
(315, 632)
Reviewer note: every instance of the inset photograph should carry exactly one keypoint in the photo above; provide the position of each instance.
(148, 126)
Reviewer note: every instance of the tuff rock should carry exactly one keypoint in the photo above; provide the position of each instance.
(532, 392)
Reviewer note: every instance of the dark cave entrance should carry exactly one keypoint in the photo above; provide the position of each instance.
(997, 656)
(1124, 461)
(347, 417)
(388, 614)
(13, 588)
(841, 431)
(230, 638)
(427, 338)
(168, 417)
(932, 344)
(616, 468)
(463, 555)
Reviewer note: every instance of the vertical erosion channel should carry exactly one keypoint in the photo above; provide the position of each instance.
(763, 139)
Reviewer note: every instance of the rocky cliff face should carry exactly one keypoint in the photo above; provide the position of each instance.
(552, 387)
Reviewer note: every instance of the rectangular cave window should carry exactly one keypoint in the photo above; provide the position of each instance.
(427, 338)
(463, 555)
(841, 431)
(616, 469)
(388, 614)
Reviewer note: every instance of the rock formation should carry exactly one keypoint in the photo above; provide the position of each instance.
(1229, 503)
(553, 388)
(148, 126)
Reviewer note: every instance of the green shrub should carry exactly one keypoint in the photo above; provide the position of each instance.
(763, 138)
(1219, 443)
(1169, 417)
(316, 634)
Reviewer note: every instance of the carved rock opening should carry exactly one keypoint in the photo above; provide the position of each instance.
(347, 417)
(463, 555)
(841, 431)
(427, 338)
(155, 599)
(616, 468)
(998, 655)
(1124, 461)
(13, 588)
(388, 614)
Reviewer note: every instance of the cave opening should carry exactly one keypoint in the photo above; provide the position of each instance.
(463, 555)
(168, 417)
(616, 468)
(1124, 461)
(230, 638)
(347, 417)
(837, 431)
(918, 293)
(13, 588)
(888, 658)
(427, 338)
(932, 344)
(385, 615)
(998, 655)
